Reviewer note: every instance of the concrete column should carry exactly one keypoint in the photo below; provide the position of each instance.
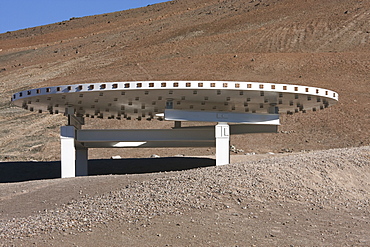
(81, 162)
(177, 124)
(222, 134)
(73, 158)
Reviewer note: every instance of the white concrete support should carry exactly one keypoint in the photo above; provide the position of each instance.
(73, 157)
(68, 151)
(75, 142)
(222, 134)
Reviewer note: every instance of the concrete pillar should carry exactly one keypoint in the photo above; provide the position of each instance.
(73, 157)
(81, 161)
(177, 124)
(222, 134)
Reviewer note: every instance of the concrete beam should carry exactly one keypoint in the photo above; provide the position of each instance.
(227, 117)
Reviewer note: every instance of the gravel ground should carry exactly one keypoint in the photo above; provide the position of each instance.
(330, 180)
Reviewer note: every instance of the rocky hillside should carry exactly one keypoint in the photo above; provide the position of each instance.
(315, 43)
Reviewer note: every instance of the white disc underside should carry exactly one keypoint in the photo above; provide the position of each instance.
(145, 99)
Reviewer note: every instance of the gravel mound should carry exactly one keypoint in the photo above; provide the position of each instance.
(336, 179)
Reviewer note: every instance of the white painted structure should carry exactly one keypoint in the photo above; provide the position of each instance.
(251, 107)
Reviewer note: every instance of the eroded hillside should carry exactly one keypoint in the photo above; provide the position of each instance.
(315, 43)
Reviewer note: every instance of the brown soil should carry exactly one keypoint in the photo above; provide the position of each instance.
(314, 43)
(306, 199)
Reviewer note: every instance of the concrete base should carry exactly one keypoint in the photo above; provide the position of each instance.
(75, 143)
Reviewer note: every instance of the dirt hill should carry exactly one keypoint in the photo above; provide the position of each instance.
(316, 198)
(315, 43)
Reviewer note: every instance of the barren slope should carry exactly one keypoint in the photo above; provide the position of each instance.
(315, 43)
(318, 198)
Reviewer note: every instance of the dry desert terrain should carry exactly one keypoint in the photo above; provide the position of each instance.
(307, 185)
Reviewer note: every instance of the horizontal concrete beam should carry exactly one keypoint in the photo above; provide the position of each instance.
(194, 136)
(150, 144)
(227, 117)
(238, 129)
(135, 138)
(136, 135)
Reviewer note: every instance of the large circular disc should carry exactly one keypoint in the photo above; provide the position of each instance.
(145, 99)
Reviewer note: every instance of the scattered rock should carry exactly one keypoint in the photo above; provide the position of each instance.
(37, 148)
(236, 150)
(286, 150)
(252, 153)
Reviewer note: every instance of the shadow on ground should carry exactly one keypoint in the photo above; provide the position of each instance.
(25, 171)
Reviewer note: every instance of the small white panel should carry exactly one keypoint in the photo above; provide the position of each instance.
(226, 131)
